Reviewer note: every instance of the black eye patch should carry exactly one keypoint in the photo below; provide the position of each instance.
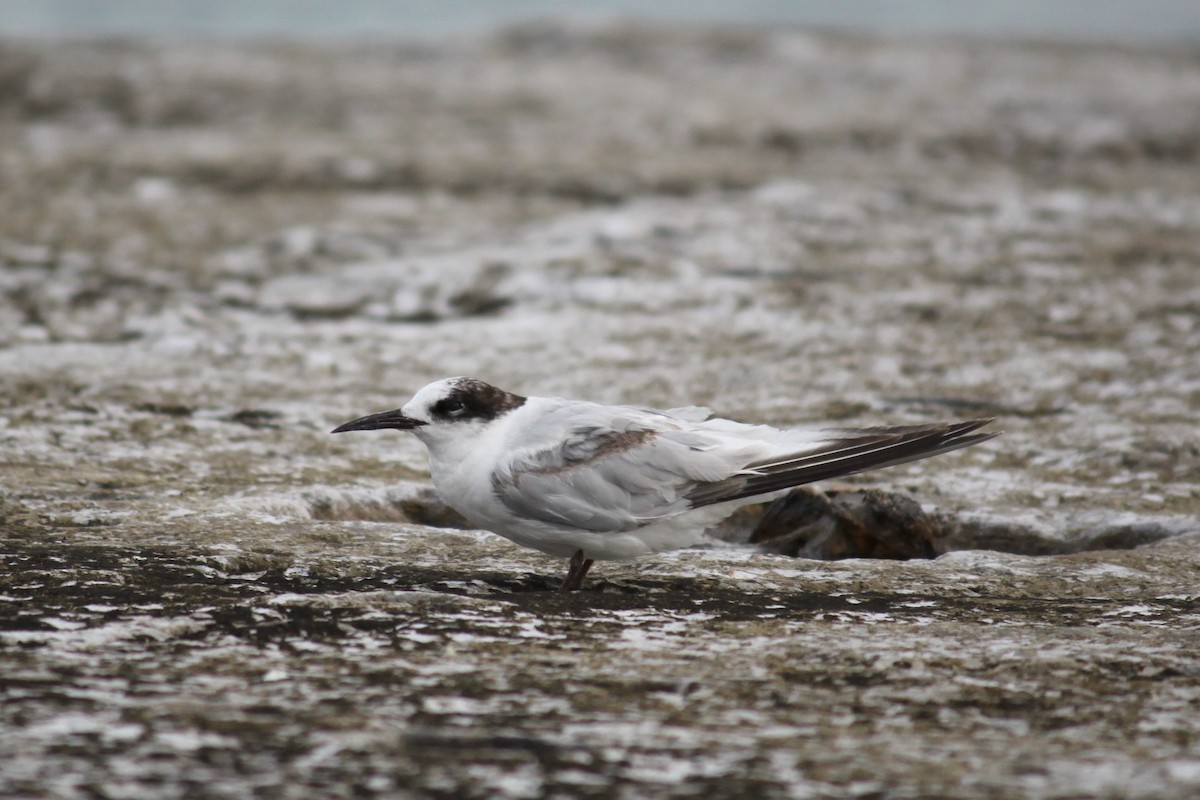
(475, 400)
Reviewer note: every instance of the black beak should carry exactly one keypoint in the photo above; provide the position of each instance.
(377, 422)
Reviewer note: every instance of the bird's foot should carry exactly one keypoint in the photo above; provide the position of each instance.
(575, 574)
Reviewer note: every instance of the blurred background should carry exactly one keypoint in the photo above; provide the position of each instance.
(227, 226)
(1058, 19)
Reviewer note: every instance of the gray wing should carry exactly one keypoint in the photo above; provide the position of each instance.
(619, 472)
(611, 469)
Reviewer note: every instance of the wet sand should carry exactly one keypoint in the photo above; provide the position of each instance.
(214, 254)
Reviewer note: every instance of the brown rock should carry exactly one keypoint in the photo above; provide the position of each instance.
(856, 524)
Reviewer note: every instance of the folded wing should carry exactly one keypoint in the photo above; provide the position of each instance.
(852, 451)
(616, 472)
(619, 472)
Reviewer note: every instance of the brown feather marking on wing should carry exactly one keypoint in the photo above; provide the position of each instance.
(613, 443)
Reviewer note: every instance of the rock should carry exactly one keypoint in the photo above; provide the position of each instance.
(990, 533)
(420, 505)
(869, 524)
(875, 524)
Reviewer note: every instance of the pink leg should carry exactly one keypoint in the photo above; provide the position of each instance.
(575, 574)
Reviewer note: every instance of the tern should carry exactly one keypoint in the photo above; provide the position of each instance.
(589, 482)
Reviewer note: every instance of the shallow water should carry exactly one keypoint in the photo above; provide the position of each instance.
(214, 254)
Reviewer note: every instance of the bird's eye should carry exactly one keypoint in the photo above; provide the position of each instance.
(452, 406)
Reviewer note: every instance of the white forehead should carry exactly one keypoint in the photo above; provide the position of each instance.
(426, 396)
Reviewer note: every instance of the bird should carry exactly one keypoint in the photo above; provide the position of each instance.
(589, 481)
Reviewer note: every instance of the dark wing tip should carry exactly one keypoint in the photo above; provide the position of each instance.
(855, 451)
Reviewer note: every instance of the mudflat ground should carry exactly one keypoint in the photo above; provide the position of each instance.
(211, 254)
